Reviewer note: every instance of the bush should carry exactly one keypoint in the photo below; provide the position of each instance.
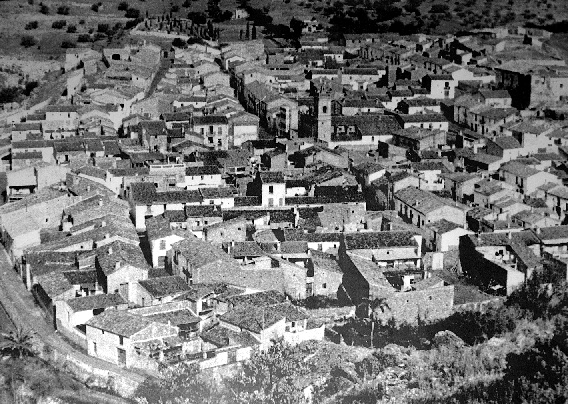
(123, 6)
(103, 28)
(30, 87)
(31, 25)
(9, 94)
(132, 13)
(63, 10)
(84, 38)
(81, 22)
(99, 36)
(68, 44)
(439, 8)
(175, 9)
(27, 41)
(58, 24)
(95, 8)
(44, 9)
(179, 43)
(71, 29)
(132, 23)
(197, 17)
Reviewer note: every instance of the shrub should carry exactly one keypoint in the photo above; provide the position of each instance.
(132, 23)
(103, 28)
(58, 24)
(81, 22)
(84, 38)
(99, 36)
(71, 29)
(178, 43)
(67, 44)
(31, 25)
(44, 9)
(27, 41)
(95, 8)
(132, 13)
(439, 8)
(63, 10)
(123, 6)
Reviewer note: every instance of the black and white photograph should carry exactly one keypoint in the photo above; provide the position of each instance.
(283, 201)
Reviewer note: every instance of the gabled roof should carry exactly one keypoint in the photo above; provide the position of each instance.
(164, 286)
(257, 319)
(443, 226)
(93, 302)
(382, 239)
(422, 201)
(270, 177)
(519, 169)
(551, 234)
(117, 254)
(119, 322)
(507, 142)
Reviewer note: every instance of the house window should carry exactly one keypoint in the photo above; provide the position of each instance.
(270, 189)
(162, 244)
(95, 348)
(324, 286)
(121, 340)
(293, 324)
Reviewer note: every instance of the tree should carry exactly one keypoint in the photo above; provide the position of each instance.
(268, 376)
(253, 32)
(376, 304)
(68, 44)
(179, 384)
(296, 27)
(27, 41)
(95, 8)
(71, 29)
(18, 343)
(178, 43)
(103, 28)
(63, 10)
(132, 13)
(44, 9)
(9, 94)
(123, 6)
(197, 17)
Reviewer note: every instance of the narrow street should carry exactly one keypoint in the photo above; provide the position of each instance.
(20, 302)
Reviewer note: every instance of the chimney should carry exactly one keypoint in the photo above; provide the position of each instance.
(103, 223)
(117, 265)
(110, 251)
(510, 235)
(538, 230)
(100, 202)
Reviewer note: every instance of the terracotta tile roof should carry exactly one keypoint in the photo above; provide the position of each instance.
(119, 322)
(257, 319)
(383, 239)
(93, 302)
(122, 253)
(165, 286)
